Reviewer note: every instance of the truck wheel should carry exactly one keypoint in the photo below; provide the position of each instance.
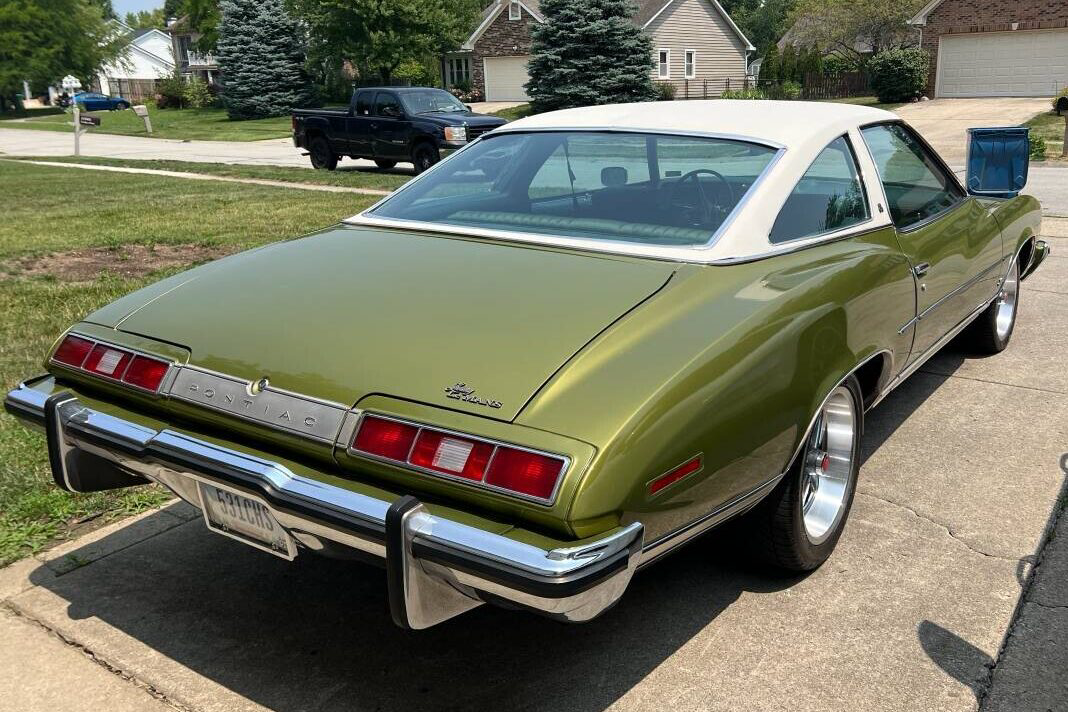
(991, 330)
(382, 163)
(322, 156)
(797, 526)
(423, 157)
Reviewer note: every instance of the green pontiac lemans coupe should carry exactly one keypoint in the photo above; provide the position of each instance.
(574, 345)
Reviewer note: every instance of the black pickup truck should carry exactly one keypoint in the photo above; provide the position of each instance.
(390, 125)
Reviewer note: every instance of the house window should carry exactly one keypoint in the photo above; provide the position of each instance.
(691, 64)
(457, 71)
(514, 11)
(664, 64)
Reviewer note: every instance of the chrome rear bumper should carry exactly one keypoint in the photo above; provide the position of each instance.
(436, 568)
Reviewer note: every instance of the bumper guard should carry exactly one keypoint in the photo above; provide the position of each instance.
(436, 568)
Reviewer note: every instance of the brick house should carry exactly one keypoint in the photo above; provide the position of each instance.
(995, 47)
(696, 47)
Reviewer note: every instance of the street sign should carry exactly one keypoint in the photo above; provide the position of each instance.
(87, 120)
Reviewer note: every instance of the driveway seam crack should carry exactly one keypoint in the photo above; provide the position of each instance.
(93, 657)
(945, 527)
(995, 383)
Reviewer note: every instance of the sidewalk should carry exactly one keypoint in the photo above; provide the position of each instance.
(273, 152)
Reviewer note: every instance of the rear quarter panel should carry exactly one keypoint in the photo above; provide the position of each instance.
(728, 361)
(1020, 219)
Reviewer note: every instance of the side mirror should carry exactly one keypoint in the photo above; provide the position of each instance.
(997, 161)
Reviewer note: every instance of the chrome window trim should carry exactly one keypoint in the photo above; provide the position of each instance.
(829, 234)
(478, 485)
(688, 253)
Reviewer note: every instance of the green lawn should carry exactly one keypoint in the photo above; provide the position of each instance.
(1050, 127)
(514, 112)
(345, 176)
(60, 209)
(198, 124)
(864, 101)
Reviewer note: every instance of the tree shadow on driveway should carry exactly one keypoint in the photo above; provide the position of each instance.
(316, 633)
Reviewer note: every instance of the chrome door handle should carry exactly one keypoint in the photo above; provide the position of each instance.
(921, 269)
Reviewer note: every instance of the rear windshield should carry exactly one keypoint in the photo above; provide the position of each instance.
(627, 187)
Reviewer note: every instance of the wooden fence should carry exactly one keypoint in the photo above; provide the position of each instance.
(136, 90)
(816, 86)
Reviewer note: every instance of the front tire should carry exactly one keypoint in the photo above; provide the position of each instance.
(322, 156)
(797, 526)
(423, 157)
(991, 331)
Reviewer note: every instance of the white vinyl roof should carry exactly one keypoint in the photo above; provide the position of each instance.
(785, 123)
(800, 130)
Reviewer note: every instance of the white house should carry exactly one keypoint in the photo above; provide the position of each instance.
(148, 57)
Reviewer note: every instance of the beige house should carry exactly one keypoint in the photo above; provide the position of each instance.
(696, 47)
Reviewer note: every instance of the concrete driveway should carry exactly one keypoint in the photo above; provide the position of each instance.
(944, 122)
(958, 484)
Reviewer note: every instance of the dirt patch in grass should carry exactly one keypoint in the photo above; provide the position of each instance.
(126, 261)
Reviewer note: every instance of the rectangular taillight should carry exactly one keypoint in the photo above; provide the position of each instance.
(112, 362)
(478, 460)
(73, 350)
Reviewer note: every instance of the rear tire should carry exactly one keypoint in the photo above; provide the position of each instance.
(797, 526)
(322, 155)
(423, 157)
(382, 163)
(122, 106)
(991, 331)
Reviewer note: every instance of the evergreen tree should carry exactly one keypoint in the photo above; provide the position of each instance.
(589, 52)
(769, 68)
(261, 57)
(788, 64)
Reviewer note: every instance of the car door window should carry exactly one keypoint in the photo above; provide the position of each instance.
(388, 106)
(916, 185)
(829, 196)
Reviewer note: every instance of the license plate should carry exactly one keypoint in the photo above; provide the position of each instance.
(244, 519)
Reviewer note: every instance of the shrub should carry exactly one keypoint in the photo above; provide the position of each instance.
(466, 93)
(898, 74)
(665, 91)
(1036, 147)
(747, 93)
(1053, 101)
(170, 92)
(197, 95)
(787, 90)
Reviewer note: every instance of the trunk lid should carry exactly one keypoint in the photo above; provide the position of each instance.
(463, 324)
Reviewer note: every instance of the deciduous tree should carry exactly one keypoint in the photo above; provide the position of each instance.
(377, 36)
(261, 56)
(41, 41)
(851, 28)
(589, 52)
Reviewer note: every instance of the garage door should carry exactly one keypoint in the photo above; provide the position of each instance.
(1003, 64)
(505, 77)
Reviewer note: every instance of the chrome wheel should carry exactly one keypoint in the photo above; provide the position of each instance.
(1006, 309)
(828, 466)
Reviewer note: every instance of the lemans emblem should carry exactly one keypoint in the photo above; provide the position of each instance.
(463, 392)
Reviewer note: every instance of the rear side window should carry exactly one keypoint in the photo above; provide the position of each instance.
(916, 186)
(829, 197)
(364, 103)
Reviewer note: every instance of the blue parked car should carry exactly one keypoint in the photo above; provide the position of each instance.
(93, 101)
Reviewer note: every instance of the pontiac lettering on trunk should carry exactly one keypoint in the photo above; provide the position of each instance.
(260, 403)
